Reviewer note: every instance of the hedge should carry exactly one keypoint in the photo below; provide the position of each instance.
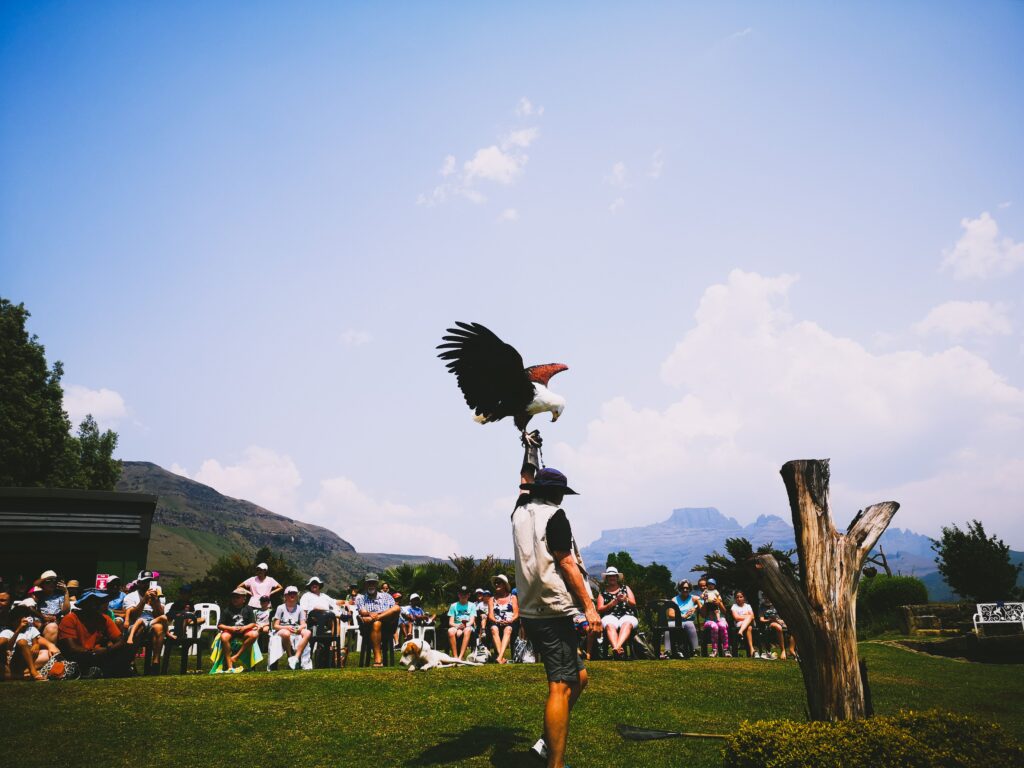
(879, 600)
(906, 740)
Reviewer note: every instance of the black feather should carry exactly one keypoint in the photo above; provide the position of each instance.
(490, 372)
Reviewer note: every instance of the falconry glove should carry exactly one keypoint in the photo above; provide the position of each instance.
(532, 455)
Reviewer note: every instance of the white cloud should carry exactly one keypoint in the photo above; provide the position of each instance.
(523, 137)
(657, 164)
(525, 108)
(448, 166)
(960, 319)
(372, 525)
(263, 477)
(617, 204)
(980, 252)
(493, 164)
(353, 337)
(509, 214)
(741, 33)
(105, 405)
(1005, 204)
(617, 176)
(757, 387)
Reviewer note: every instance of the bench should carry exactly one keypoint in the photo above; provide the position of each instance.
(999, 613)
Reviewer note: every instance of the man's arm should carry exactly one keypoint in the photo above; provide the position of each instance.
(574, 581)
(531, 459)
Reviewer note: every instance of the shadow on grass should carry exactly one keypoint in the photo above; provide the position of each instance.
(509, 747)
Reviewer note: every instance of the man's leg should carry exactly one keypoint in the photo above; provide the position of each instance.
(28, 658)
(453, 642)
(225, 649)
(562, 697)
(375, 638)
(467, 635)
(248, 639)
(159, 629)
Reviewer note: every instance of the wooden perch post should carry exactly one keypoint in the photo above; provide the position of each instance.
(821, 611)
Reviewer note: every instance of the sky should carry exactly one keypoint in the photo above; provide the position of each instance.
(753, 234)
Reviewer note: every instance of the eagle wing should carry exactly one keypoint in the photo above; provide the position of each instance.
(489, 371)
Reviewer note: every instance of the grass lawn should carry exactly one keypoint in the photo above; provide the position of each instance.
(473, 717)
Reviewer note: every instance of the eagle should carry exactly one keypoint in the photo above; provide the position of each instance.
(492, 377)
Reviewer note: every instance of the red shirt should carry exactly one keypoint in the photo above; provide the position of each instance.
(98, 631)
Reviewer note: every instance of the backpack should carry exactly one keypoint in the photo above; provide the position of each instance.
(57, 668)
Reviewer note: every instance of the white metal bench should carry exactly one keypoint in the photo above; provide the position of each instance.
(999, 613)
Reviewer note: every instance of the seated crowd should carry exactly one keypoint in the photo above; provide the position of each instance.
(103, 630)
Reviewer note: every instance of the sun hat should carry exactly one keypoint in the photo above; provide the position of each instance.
(370, 577)
(90, 595)
(549, 479)
(48, 575)
(240, 591)
(611, 570)
(262, 567)
(314, 580)
(73, 584)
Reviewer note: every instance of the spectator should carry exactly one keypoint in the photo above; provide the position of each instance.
(378, 616)
(688, 607)
(712, 609)
(5, 623)
(89, 637)
(480, 599)
(53, 601)
(617, 606)
(263, 621)
(321, 609)
(73, 589)
(26, 648)
(144, 614)
(237, 627)
(460, 624)
(414, 615)
(504, 613)
(290, 626)
(116, 593)
(743, 615)
(260, 584)
(772, 625)
(180, 613)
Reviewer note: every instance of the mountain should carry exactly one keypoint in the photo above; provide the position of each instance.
(681, 541)
(194, 525)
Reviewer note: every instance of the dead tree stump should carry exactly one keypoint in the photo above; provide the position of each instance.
(822, 609)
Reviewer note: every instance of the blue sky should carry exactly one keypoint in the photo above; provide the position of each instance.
(753, 234)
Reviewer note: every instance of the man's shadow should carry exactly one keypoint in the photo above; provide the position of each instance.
(509, 747)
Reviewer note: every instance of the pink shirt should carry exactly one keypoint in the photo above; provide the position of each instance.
(259, 588)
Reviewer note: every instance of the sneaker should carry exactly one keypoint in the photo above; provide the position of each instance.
(293, 662)
(714, 653)
(727, 654)
(236, 670)
(540, 750)
(757, 655)
(774, 656)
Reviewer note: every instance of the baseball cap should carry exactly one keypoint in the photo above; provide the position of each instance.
(414, 596)
(48, 575)
(144, 576)
(262, 566)
(712, 583)
(240, 591)
(291, 589)
(464, 588)
(502, 577)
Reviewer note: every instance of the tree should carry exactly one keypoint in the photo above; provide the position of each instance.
(36, 448)
(649, 583)
(820, 609)
(736, 570)
(976, 566)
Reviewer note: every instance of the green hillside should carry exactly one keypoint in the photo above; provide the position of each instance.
(194, 525)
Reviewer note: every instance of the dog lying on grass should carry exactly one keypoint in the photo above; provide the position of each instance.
(418, 655)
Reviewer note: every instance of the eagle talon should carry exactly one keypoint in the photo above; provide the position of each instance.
(531, 439)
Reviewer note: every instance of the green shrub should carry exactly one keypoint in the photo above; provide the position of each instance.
(906, 740)
(879, 601)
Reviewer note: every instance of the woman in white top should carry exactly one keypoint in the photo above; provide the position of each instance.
(743, 615)
(289, 621)
(502, 612)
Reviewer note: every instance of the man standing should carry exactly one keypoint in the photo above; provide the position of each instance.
(552, 589)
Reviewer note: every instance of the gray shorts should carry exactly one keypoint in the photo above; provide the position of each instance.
(557, 642)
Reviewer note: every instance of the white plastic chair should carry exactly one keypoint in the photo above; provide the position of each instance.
(419, 632)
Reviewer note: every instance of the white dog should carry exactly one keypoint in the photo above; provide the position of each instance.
(417, 654)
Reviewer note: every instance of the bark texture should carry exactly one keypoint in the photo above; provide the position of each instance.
(821, 609)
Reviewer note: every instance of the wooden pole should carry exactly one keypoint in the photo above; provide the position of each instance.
(821, 611)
